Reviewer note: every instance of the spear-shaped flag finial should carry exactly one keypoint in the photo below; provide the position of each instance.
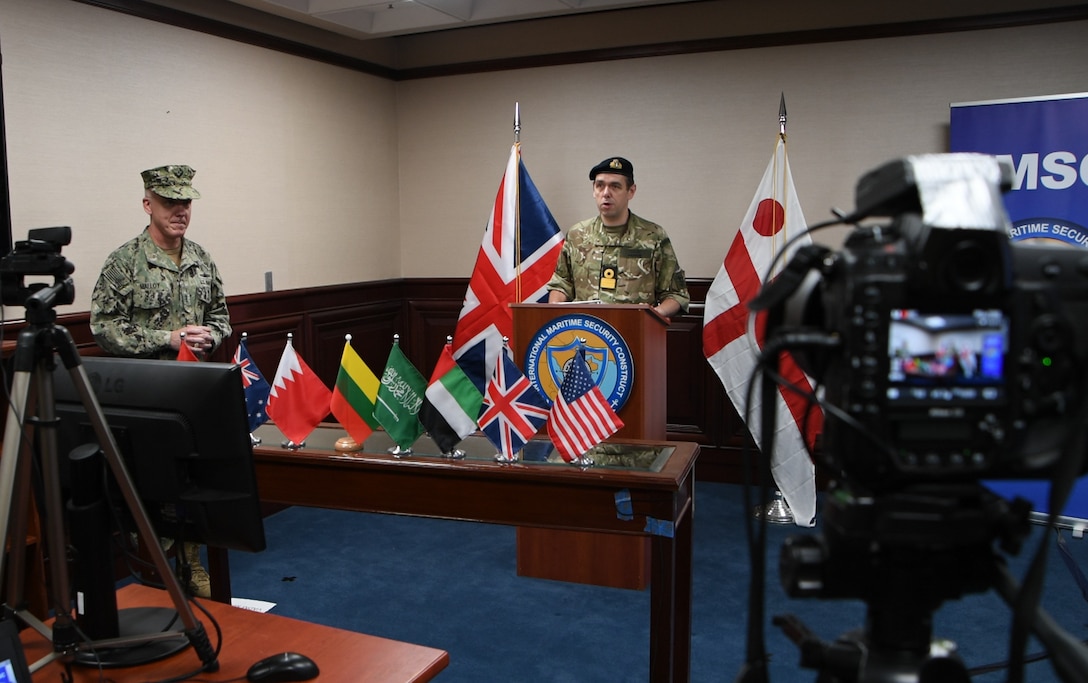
(782, 115)
(517, 122)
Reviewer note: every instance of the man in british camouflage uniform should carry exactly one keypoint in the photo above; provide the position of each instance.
(618, 257)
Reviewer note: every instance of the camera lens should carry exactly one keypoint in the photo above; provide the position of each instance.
(969, 267)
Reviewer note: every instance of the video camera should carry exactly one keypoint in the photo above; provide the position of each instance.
(960, 355)
(39, 254)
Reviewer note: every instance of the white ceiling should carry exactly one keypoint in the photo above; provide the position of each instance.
(379, 18)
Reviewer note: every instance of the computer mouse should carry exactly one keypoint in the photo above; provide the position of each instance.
(286, 666)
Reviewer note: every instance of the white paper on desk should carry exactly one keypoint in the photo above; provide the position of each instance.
(261, 606)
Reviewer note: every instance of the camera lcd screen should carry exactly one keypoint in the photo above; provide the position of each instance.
(946, 358)
(7, 672)
(13, 668)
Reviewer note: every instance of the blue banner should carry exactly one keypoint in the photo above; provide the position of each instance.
(1046, 141)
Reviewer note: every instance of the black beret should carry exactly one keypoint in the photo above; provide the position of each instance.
(617, 165)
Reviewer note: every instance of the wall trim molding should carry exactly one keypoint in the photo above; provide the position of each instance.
(222, 29)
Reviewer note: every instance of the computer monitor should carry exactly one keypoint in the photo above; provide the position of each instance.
(182, 431)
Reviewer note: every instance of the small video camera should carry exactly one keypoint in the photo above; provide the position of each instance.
(39, 254)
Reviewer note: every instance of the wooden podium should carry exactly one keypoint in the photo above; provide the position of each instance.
(603, 559)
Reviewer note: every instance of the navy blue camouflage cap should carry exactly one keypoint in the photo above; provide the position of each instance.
(617, 165)
(172, 182)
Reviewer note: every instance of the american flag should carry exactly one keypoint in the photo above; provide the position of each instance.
(255, 385)
(516, 259)
(513, 410)
(581, 417)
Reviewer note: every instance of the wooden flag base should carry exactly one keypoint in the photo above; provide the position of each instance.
(346, 444)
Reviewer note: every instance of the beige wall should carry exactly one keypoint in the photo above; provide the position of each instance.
(295, 160)
(700, 129)
(322, 175)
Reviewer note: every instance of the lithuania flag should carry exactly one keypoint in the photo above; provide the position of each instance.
(354, 395)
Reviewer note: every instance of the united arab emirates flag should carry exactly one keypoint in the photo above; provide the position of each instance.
(451, 403)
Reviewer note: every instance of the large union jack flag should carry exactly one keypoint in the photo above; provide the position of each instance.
(516, 259)
(513, 410)
(255, 385)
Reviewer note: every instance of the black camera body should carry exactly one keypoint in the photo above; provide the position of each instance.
(39, 254)
(962, 355)
(948, 355)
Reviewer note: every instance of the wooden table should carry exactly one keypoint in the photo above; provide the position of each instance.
(249, 636)
(542, 494)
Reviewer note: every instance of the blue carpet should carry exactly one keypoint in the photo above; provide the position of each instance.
(453, 586)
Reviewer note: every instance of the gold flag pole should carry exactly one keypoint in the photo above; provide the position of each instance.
(517, 204)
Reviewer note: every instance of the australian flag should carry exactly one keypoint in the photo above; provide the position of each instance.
(255, 385)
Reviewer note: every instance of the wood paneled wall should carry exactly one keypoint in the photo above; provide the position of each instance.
(423, 312)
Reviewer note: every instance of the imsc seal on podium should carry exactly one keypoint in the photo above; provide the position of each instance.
(553, 346)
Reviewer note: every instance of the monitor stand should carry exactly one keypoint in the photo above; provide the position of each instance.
(136, 621)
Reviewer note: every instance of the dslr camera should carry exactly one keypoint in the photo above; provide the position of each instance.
(961, 355)
(948, 355)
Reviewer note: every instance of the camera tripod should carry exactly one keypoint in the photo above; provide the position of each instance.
(31, 407)
(905, 553)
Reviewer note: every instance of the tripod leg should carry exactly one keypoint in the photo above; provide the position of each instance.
(15, 466)
(194, 629)
(65, 638)
(17, 598)
(9, 460)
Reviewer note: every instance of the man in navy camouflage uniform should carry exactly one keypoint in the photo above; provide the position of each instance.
(617, 257)
(160, 285)
(159, 290)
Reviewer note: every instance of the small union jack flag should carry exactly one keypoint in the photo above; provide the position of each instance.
(255, 385)
(513, 410)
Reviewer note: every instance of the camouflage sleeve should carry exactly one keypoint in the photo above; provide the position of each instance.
(112, 322)
(671, 282)
(563, 279)
(217, 317)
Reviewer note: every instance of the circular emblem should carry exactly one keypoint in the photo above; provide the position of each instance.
(1047, 231)
(553, 346)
